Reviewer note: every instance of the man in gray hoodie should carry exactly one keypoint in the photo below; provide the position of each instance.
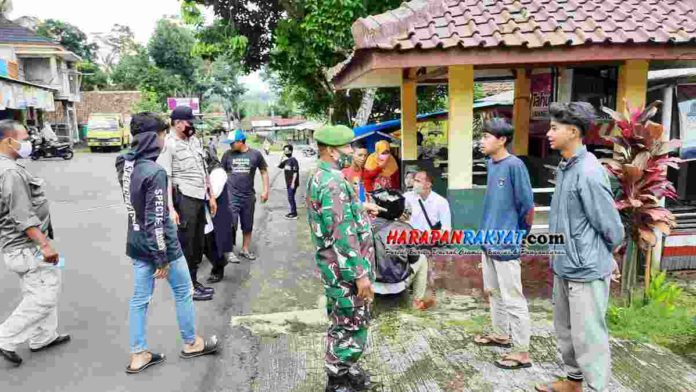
(583, 210)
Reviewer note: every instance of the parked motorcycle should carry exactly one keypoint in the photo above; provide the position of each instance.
(309, 151)
(45, 149)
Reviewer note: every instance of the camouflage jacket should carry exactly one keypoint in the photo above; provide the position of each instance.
(340, 230)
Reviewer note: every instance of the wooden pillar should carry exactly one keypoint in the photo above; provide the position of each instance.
(461, 126)
(633, 84)
(521, 112)
(409, 121)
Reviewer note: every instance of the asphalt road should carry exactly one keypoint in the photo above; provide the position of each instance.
(90, 226)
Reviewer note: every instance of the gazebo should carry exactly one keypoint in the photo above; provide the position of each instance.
(457, 42)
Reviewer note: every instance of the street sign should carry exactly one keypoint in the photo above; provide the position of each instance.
(193, 103)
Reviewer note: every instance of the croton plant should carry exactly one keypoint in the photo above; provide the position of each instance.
(640, 161)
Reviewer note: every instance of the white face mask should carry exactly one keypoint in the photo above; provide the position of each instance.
(418, 188)
(25, 149)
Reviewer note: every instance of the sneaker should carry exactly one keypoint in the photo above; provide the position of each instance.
(199, 295)
(214, 278)
(205, 289)
(291, 216)
(248, 255)
(231, 258)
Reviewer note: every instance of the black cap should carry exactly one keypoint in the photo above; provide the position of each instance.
(146, 122)
(182, 113)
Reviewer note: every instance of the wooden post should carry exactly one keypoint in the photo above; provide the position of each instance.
(633, 84)
(648, 274)
(521, 112)
(461, 126)
(409, 121)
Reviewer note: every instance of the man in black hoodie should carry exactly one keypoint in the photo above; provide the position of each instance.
(153, 245)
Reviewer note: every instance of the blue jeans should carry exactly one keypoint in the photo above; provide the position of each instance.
(291, 200)
(182, 287)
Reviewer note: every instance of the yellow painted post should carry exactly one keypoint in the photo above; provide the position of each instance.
(633, 84)
(409, 122)
(461, 126)
(521, 112)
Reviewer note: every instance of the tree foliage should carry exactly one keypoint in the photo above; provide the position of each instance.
(171, 48)
(118, 42)
(70, 37)
(300, 40)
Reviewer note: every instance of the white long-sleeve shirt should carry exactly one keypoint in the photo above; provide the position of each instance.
(437, 207)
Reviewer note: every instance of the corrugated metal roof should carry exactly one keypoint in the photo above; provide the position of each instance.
(11, 32)
(428, 24)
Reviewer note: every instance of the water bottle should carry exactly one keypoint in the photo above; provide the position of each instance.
(361, 192)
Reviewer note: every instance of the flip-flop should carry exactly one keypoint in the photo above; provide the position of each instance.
(546, 387)
(210, 346)
(491, 342)
(517, 364)
(154, 360)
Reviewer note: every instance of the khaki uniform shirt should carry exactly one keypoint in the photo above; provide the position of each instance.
(185, 165)
(23, 204)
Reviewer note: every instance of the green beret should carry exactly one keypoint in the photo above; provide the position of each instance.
(334, 135)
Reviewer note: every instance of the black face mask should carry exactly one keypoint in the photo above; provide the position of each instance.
(288, 154)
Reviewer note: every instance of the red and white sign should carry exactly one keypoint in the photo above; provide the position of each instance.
(541, 86)
(193, 103)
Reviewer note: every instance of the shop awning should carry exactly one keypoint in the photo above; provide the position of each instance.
(16, 94)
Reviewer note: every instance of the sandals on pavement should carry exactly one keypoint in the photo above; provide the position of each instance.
(560, 386)
(210, 346)
(512, 364)
(488, 340)
(154, 360)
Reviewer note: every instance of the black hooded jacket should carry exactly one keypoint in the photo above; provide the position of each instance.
(152, 235)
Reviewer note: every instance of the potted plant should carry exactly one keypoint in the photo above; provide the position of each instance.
(639, 163)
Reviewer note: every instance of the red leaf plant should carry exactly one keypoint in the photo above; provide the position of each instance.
(640, 162)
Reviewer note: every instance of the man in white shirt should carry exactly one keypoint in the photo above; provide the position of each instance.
(429, 211)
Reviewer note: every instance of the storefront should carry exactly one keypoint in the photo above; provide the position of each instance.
(25, 102)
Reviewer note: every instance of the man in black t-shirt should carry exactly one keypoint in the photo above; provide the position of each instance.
(292, 178)
(241, 162)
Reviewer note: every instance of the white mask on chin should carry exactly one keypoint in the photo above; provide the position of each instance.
(25, 149)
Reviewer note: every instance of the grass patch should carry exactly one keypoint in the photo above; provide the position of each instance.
(656, 323)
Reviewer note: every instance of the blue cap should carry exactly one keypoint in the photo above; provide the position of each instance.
(235, 136)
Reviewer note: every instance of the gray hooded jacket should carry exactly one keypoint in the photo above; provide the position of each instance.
(583, 210)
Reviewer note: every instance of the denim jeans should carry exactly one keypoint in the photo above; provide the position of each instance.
(182, 287)
(291, 200)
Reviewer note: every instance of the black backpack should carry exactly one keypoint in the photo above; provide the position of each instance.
(390, 268)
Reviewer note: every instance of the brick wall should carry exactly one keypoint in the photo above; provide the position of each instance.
(99, 102)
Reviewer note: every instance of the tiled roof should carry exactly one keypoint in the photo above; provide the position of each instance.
(13, 33)
(427, 24)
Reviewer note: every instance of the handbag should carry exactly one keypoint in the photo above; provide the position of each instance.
(437, 225)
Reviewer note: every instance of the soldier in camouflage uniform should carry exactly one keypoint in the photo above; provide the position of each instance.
(341, 232)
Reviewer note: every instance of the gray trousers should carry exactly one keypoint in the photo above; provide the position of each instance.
(502, 281)
(579, 310)
(36, 317)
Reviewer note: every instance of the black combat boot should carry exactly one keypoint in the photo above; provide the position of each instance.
(359, 379)
(339, 384)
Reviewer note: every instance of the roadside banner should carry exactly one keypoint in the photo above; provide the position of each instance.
(193, 103)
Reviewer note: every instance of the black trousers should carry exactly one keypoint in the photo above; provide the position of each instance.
(192, 231)
(213, 255)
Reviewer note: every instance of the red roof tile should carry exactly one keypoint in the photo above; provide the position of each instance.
(427, 24)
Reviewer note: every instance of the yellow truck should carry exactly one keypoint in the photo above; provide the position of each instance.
(107, 131)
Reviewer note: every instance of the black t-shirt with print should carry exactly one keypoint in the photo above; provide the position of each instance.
(241, 169)
(291, 167)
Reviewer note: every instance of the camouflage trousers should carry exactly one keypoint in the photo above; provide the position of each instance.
(347, 334)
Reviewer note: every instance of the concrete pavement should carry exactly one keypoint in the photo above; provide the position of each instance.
(90, 225)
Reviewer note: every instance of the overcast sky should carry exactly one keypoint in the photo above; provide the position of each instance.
(97, 16)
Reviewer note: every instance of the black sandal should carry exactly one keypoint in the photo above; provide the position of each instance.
(209, 347)
(154, 360)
